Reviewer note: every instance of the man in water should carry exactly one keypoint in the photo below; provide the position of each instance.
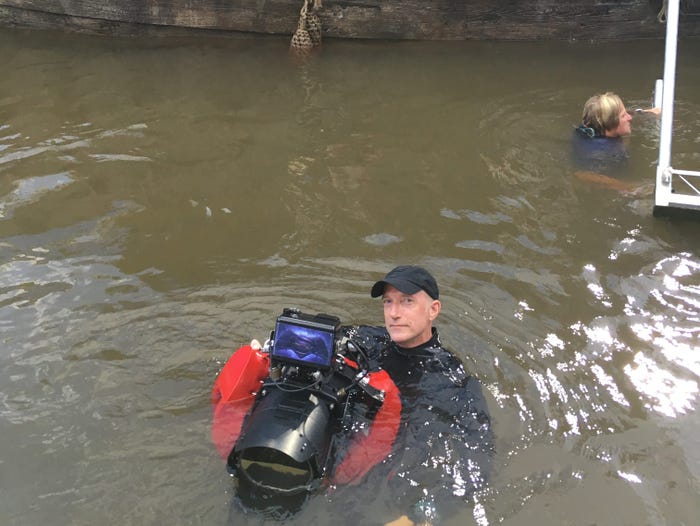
(600, 149)
(444, 447)
(421, 438)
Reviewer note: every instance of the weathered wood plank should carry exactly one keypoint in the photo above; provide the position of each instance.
(389, 19)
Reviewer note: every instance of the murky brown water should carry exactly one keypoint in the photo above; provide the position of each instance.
(160, 202)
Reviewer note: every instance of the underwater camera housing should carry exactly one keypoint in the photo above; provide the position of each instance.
(286, 439)
(304, 340)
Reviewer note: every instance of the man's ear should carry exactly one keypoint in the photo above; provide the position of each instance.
(435, 309)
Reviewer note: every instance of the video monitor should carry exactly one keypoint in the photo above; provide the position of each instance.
(303, 342)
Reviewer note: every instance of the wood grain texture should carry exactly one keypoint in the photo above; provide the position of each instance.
(588, 20)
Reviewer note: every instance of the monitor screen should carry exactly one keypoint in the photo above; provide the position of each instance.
(303, 345)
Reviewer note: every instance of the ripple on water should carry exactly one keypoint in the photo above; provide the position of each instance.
(31, 189)
(382, 239)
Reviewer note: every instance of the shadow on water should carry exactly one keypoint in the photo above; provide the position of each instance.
(161, 202)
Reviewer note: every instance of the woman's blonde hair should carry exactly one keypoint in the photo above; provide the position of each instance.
(602, 112)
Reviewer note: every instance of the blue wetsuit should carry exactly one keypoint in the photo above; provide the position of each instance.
(599, 154)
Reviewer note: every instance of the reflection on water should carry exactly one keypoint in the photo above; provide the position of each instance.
(161, 202)
(667, 377)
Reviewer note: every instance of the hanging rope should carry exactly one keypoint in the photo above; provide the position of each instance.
(661, 17)
(308, 33)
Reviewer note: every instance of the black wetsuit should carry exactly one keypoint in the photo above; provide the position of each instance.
(444, 447)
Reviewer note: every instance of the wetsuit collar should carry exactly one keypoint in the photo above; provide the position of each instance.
(424, 348)
(587, 131)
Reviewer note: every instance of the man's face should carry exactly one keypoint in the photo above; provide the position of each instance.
(409, 317)
(624, 127)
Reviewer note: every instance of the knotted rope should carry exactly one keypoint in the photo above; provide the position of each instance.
(308, 33)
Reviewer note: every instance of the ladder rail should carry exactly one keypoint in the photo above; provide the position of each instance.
(669, 84)
(665, 196)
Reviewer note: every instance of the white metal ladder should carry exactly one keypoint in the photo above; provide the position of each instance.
(670, 191)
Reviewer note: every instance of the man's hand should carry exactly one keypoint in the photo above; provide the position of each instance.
(655, 111)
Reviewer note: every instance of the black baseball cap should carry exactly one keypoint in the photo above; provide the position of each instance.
(408, 279)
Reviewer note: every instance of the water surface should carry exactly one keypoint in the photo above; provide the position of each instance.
(162, 201)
